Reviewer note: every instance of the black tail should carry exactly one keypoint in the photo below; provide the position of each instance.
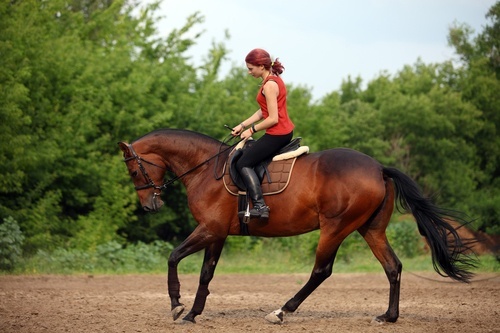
(448, 250)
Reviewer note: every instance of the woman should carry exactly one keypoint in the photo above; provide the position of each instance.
(275, 121)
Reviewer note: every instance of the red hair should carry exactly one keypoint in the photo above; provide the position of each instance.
(259, 57)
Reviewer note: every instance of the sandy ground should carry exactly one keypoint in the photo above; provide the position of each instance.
(239, 303)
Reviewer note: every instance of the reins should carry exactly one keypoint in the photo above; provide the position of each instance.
(227, 139)
(169, 182)
(176, 178)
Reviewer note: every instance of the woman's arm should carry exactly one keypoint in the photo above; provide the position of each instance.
(253, 118)
(238, 129)
(271, 91)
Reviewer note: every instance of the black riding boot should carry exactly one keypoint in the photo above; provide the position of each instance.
(259, 210)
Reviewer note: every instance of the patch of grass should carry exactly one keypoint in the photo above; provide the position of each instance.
(277, 262)
(488, 264)
(254, 256)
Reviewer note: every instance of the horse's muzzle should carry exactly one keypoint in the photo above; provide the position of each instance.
(154, 205)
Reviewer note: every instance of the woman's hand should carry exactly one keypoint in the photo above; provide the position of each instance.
(246, 134)
(237, 130)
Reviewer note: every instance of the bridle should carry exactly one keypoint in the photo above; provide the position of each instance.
(151, 183)
(145, 174)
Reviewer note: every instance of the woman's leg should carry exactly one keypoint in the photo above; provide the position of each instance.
(262, 149)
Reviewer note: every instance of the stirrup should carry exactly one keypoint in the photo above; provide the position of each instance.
(244, 215)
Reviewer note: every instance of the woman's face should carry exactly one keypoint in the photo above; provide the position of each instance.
(255, 71)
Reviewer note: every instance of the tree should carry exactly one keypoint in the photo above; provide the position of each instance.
(479, 83)
(77, 78)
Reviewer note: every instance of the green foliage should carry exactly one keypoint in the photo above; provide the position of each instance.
(242, 244)
(110, 257)
(405, 239)
(11, 241)
(429, 126)
(117, 201)
(298, 249)
(479, 83)
(486, 205)
(76, 79)
(268, 256)
(352, 248)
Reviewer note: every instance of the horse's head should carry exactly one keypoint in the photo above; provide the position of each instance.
(147, 173)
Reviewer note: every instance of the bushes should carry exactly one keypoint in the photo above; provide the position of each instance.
(240, 255)
(110, 257)
(402, 234)
(405, 239)
(11, 242)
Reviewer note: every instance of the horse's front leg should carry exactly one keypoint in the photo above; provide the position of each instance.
(212, 255)
(174, 291)
(197, 240)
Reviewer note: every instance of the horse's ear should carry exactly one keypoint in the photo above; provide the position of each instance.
(125, 148)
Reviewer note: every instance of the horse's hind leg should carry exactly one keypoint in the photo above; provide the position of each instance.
(374, 234)
(325, 256)
(392, 267)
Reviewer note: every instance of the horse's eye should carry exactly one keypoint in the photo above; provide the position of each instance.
(134, 174)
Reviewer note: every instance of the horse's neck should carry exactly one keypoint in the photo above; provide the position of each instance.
(184, 154)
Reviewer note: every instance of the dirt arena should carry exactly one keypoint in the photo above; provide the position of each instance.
(239, 303)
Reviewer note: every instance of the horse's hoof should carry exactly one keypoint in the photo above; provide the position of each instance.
(276, 317)
(383, 319)
(377, 321)
(177, 311)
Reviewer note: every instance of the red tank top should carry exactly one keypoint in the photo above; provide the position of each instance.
(285, 124)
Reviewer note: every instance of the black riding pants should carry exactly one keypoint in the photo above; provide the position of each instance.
(262, 149)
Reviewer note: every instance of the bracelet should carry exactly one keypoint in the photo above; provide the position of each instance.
(242, 126)
(253, 129)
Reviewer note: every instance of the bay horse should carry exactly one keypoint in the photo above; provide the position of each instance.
(337, 191)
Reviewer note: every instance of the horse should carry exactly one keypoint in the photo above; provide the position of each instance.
(337, 191)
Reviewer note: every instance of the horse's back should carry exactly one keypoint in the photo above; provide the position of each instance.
(342, 175)
(345, 162)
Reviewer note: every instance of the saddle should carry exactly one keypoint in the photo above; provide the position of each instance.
(274, 173)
